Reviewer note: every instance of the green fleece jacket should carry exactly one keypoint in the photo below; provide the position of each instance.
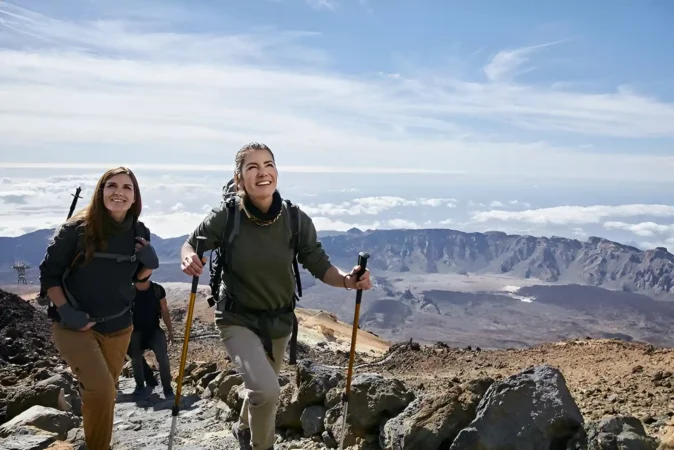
(261, 274)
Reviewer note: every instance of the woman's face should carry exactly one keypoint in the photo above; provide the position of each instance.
(259, 174)
(118, 194)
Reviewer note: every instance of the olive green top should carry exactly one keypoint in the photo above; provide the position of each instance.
(261, 274)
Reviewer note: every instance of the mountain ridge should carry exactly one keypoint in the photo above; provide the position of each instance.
(554, 259)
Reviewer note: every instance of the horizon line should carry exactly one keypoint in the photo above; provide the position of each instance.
(227, 167)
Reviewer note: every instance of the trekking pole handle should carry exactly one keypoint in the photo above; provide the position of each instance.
(201, 241)
(362, 262)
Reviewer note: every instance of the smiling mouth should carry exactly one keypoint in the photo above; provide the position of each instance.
(117, 200)
(263, 183)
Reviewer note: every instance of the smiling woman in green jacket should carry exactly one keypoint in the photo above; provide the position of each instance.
(260, 280)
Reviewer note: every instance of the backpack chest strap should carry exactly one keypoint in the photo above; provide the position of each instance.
(115, 256)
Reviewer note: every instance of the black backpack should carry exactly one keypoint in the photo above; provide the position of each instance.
(220, 261)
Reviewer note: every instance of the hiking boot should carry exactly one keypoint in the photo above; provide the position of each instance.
(140, 390)
(243, 436)
(168, 393)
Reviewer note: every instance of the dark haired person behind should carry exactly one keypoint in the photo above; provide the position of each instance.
(106, 248)
(149, 304)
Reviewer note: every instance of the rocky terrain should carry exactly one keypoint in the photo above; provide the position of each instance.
(569, 395)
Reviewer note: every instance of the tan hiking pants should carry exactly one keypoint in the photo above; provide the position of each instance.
(96, 360)
(260, 378)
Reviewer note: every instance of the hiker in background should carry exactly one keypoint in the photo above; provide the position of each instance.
(148, 306)
(88, 272)
(255, 305)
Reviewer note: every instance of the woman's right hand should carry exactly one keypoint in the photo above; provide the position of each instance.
(73, 318)
(191, 265)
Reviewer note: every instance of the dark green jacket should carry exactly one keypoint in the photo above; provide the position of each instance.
(261, 272)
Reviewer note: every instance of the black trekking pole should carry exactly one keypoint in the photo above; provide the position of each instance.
(362, 262)
(188, 326)
(76, 196)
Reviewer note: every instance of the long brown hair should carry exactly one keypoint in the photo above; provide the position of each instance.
(95, 214)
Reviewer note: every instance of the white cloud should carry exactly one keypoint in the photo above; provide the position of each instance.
(323, 4)
(373, 205)
(645, 229)
(567, 215)
(506, 62)
(123, 85)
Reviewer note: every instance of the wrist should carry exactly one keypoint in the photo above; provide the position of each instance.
(347, 282)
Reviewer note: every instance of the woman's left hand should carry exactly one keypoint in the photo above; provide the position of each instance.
(146, 254)
(364, 282)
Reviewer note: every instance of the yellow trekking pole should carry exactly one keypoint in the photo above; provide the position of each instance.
(183, 357)
(362, 262)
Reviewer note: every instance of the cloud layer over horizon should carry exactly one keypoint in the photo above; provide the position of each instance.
(174, 204)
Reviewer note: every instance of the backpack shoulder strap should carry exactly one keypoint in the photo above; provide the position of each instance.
(294, 222)
(157, 291)
(293, 215)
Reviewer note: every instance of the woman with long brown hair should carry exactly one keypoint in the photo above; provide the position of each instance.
(89, 272)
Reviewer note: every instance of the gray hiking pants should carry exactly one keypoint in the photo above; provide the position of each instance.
(158, 345)
(260, 379)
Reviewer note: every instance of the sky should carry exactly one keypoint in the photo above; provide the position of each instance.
(528, 117)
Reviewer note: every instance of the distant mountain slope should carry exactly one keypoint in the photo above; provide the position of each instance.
(595, 262)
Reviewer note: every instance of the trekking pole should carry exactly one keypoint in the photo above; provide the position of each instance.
(362, 262)
(76, 196)
(183, 357)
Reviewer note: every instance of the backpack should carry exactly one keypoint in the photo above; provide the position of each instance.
(43, 298)
(220, 261)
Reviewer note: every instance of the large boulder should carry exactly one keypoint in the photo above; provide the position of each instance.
(44, 418)
(314, 381)
(613, 433)
(50, 395)
(433, 421)
(530, 410)
(372, 400)
(28, 438)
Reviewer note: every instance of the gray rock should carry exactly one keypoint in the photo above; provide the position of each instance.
(314, 381)
(225, 387)
(68, 383)
(312, 420)
(43, 418)
(613, 433)
(28, 438)
(328, 440)
(434, 421)
(49, 395)
(528, 411)
(372, 399)
(289, 412)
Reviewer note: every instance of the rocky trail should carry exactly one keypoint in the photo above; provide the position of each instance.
(570, 395)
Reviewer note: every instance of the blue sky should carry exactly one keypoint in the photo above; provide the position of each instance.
(537, 99)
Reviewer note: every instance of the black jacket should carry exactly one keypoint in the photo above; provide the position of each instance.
(101, 286)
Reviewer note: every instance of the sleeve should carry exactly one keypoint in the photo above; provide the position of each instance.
(162, 292)
(212, 228)
(311, 254)
(59, 255)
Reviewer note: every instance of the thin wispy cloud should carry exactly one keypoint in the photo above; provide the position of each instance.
(504, 66)
(323, 4)
(130, 84)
